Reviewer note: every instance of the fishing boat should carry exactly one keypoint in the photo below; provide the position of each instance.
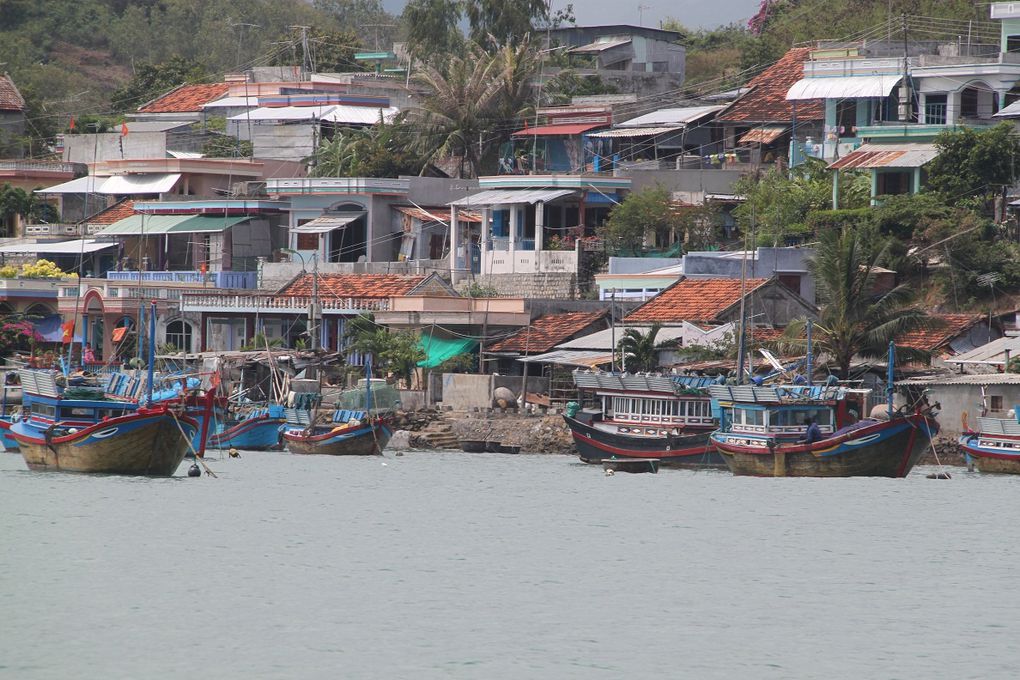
(8, 416)
(356, 428)
(257, 429)
(995, 446)
(662, 417)
(85, 428)
(764, 431)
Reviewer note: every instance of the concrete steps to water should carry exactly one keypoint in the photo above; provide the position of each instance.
(440, 435)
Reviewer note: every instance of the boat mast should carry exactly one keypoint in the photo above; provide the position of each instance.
(889, 388)
(810, 357)
(152, 348)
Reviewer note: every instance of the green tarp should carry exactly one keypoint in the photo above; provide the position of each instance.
(438, 350)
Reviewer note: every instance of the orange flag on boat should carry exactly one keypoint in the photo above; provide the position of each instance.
(68, 331)
(118, 333)
(123, 130)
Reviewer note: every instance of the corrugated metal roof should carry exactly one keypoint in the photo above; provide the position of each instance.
(437, 214)
(678, 116)
(566, 357)
(616, 133)
(83, 185)
(887, 156)
(320, 225)
(1011, 111)
(331, 113)
(603, 340)
(763, 135)
(144, 183)
(553, 130)
(62, 248)
(969, 379)
(843, 87)
(993, 353)
(600, 46)
(511, 196)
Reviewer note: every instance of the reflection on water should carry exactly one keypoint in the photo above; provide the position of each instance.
(450, 565)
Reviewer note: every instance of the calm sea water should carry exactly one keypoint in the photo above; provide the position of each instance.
(450, 565)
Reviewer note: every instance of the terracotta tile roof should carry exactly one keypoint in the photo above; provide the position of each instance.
(546, 332)
(353, 285)
(942, 330)
(185, 98)
(10, 98)
(114, 213)
(766, 101)
(693, 300)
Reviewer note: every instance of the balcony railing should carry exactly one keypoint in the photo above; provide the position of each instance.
(268, 303)
(244, 280)
(38, 166)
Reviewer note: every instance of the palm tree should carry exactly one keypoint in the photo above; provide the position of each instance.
(640, 351)
(853, 319)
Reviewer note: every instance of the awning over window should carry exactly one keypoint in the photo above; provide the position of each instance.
(848, 87)
(150, 225)
(62, 248)
(763, 135)
(677, 116)
(511, 196)
(321, 225)
(438, 350)
(553, 130)
(600, 46)
(886, 156)
(145, 183)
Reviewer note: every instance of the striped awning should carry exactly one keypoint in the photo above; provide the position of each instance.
(763, 135)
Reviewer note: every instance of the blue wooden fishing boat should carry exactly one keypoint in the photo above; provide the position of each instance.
(995, 446)
(258, 429)
(764, 431)
(85, 428)
(6, 439)
(349, 433)
(661, 417)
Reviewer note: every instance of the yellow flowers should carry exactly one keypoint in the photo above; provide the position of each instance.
(40, 269)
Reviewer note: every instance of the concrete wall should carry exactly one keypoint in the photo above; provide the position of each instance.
(956, 399)
(692, 180)
(107, 146)
(544, 285)
(438, 191)
(463, 391)
(537, 384)
(283, 142)
(412, 400)
(640, 265)
(767, 263)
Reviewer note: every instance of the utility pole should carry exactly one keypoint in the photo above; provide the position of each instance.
(641, 13)
(306, 58)
(315, 314)
(904, 112)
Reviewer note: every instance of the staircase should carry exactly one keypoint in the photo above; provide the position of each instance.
(439, 435)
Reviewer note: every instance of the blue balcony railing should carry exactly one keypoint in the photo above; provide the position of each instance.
(235, 280)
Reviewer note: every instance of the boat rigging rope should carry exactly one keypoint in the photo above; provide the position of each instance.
(198, 458)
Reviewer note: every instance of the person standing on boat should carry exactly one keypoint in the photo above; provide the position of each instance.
(813, 434)
(89, 357)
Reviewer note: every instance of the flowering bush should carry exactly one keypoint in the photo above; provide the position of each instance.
(43, 269)
(8, 271)
(17, 334)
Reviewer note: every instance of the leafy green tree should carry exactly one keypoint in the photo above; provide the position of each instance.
(227, 146)
(645, 215)
(853, 319)
(777, 203)
(497, 22)
(431, 27)
(402, 354)
(384, 150)
(975, 163)
(640, 350)
(330, 51)
(153, 80)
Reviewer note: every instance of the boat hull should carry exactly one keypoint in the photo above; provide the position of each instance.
(9, 443)
(146, 443)
(363, 440)
(255, 434)
(686, 450)
(885, 449)
(990, 460)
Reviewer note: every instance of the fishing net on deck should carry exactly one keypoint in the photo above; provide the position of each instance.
(384, 398)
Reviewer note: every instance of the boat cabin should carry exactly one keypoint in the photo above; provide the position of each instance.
(652, 405)
(782, 412)
(45, 403)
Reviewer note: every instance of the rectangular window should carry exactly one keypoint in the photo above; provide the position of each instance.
(996, 402)
(969, 103)
(307, 241)
(935, 109)
(1013, 43)
(846, 118)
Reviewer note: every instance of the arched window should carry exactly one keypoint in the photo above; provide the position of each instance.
(178, 334)
(39, 310)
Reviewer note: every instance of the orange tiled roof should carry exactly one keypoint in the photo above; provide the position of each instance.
(353, 285)
(10, 98)
(546, 332)
(766, 102)
(693, 300)
(185, 98)
(114, 213)
(942, 330)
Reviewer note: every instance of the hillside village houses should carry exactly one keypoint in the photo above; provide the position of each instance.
(230, 248)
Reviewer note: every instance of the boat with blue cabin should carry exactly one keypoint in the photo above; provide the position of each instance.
(644, 416)
(995, 446)
(257, 428)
